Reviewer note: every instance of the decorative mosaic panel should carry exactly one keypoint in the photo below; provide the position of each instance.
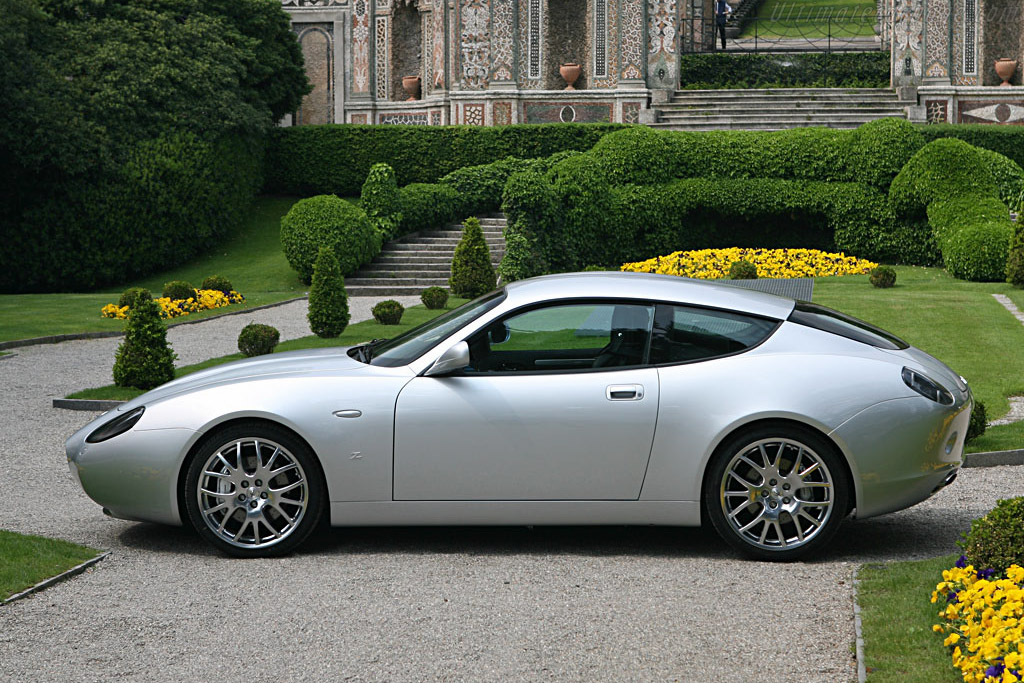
(358, 118)
(970, 48)
(631, 112)
(937, 111)
(502, 113)
(567, 112)
(473, 114)
(475, 44)
(427, 31)
(382, 67)
(534, 20)
(908, 26)
(360, 47)
(600, 38)
(937, 39)
(437, 67)
(317, 44)
(630, 19)
(502, 39)
(979, 111)
(314, 3)
(435, 118)
(662, 40)
(404, 119)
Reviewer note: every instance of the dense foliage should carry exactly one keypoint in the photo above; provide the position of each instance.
(742, 270)
(472, 272)
(307, 160)
(217, 282)
(434, 297)
(130, 135)
(996, 540)
(714, 70)
(257, 339)
(131, 295)
(327, 221)
(178, 289)
(144, 360)
(328, 301)
(882, 277)
(388, 312)
(380, 199)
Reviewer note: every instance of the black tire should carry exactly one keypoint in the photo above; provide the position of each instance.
(776, 493)
(254, 490)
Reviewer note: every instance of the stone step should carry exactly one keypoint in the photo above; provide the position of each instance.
(766, 126)
(886, 105)
(388, 291)
(421, 282)
(812, 117)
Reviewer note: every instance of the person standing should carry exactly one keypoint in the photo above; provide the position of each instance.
(722, 12)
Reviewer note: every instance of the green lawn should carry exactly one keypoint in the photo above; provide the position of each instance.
(897, 617)
(813, 19)
(956, 321)
(251, 258)
(27, 560)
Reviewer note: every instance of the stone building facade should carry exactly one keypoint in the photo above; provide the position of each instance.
(943, 54)
(491, 62)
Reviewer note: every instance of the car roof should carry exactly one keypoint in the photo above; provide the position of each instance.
(664, 288)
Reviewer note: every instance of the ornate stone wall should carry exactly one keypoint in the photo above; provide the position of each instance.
(1003, 28)
(908, 41)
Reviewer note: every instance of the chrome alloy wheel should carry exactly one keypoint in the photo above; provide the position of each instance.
(252, 493)
(777, 494)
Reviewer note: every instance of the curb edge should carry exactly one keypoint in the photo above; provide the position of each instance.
(63, 576)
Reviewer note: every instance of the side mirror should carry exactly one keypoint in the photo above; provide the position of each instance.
(455, 358)
(499, 333)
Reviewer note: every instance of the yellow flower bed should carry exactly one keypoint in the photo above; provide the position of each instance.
(175, 308)
(713, 264)
(984, 622)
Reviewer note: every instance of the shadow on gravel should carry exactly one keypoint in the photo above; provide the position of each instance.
(911, 534)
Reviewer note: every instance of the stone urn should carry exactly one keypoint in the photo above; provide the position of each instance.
(1005, 68)
(411, 85)
(570, 72)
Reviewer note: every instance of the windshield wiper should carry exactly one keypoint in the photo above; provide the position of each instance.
(364, 352)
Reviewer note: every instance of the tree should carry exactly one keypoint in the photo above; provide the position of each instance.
(472, 272)
(328, 301)
(144, 360)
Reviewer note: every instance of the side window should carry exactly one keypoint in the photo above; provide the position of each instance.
(685, 334)
(577, 336)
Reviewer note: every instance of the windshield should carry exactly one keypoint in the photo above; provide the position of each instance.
(409, 346)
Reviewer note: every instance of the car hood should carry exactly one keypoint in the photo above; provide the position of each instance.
(333, 360)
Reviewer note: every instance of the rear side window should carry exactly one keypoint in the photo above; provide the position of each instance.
(828, 320)
(682, 333)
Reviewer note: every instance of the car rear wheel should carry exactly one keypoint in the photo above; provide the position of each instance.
(776, 493)
(254, 490)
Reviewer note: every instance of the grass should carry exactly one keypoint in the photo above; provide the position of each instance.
(897, 617)
(356, 333)
(27, 560)
(251, 258)
(813, 19)
(956, 321)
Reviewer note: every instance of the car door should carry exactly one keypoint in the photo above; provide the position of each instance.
(558, 403)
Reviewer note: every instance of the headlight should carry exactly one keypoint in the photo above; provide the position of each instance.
(119, 425)
(927, 387)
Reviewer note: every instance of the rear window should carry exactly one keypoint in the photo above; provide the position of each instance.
(683, 333)
(828, 320)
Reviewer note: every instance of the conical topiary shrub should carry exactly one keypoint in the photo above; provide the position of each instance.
(144, 360)
(381, 200)
(328, 302)
(472, 272)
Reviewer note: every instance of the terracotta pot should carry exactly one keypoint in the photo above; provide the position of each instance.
(1005, 68)
(411, 85)
(570, 72)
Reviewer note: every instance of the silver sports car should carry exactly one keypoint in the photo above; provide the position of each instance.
(599, 398)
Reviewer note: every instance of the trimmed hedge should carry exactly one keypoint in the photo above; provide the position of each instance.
(327, 221)
(380, 200)
(335, 159)
(1006, 140)
(700, 71)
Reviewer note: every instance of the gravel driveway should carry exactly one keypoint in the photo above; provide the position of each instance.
(595, 604)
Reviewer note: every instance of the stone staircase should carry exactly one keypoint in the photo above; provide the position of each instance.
(778, 108)
(409, 265)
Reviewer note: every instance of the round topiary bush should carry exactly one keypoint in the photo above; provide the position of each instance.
(218, 283)
(882, 277)
(144, 360)
(940, 170)
(328, 301)
(257, 339)
(996, 540)
(472, 272)
(742, 270)
(178, 289)
(388, 312)
(133, 294)
(434, 297)
(879, 150)
(381, 200)
(979, 421)
(327, 221)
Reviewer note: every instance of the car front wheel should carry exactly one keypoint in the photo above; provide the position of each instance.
(776, 493)
(254, 490)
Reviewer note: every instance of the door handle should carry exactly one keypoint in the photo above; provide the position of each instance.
(624, 392)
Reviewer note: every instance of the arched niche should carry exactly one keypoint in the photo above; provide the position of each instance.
(317, 51)
(406, 46)
(1002, 32)
(568, 40)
